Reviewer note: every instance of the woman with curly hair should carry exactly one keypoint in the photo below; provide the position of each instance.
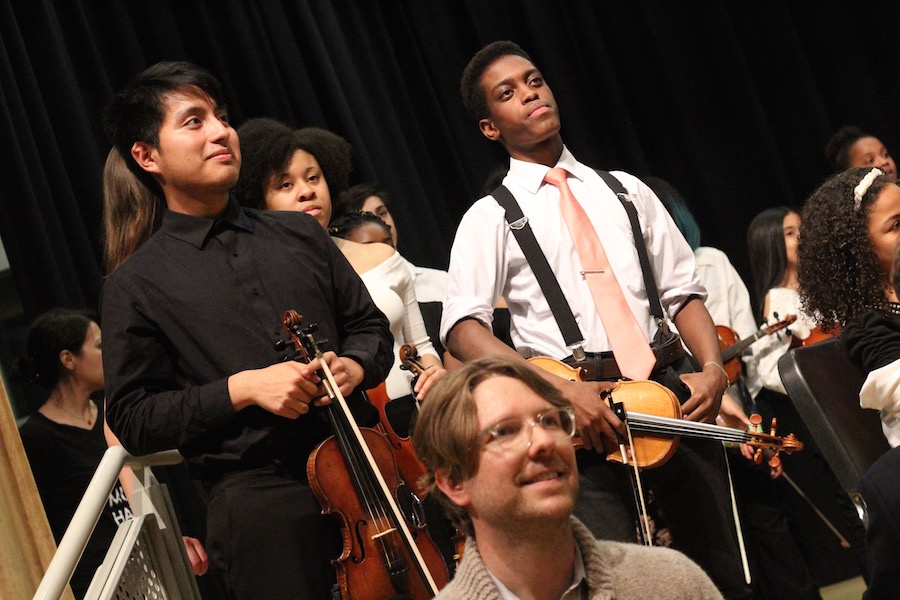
(848, 253)
(851, 225)
(850, 274)
(302, 170)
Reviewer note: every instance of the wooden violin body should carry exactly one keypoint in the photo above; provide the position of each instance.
(818, 335)
(732, 348)
(395, 417)
(374, 562)
(727, 339)
(387, 553)
(411, 468)
(655, 418)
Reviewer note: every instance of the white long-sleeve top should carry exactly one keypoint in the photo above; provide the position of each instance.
(391, 286)
(728, 302)
(767, 350)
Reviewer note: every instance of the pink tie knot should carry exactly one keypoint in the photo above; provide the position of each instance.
(556, 176)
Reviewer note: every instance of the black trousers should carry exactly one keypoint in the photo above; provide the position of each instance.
(777, 564)
(880, 488)
(828, 561)
(267, 537)
(691, 490)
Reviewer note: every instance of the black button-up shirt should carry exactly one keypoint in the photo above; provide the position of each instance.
(203, 300)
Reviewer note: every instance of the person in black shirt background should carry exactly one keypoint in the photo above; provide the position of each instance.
(63, 438)
(196, 358)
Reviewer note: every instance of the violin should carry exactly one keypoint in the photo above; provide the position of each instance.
(817, 335)
(732, 348)
(395, 418)
(409, 359)
(354, 476)
(653, 414)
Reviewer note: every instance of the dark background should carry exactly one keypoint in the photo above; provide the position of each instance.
(732, 102)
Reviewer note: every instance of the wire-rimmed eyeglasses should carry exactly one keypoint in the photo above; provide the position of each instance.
(516, 433)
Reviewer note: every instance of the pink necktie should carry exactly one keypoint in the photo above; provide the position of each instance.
(628, 342)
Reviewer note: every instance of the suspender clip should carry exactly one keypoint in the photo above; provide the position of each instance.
(577, 351)
(519, 223)
(663, 325)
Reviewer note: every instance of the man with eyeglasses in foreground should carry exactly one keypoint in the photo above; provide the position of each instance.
(496, 440)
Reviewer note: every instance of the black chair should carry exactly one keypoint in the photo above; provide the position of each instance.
(824, 386)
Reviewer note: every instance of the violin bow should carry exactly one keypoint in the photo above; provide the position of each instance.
(619, 409)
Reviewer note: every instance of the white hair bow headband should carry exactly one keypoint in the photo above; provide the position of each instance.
(864, 185)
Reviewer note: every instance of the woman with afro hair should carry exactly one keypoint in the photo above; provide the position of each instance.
(850, 274)
(851, 225)
(303, 170)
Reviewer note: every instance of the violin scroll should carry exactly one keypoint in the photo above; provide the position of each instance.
(409, 361)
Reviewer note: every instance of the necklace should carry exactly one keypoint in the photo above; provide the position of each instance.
(80, 417)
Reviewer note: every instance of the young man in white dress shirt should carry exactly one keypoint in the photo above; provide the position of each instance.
(513, 105)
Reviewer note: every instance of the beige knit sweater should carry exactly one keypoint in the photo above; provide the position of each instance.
(613, 571)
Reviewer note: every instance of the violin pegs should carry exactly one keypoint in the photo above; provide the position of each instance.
(774, 462)
(758, 457)
(755, 423)
(774, 425)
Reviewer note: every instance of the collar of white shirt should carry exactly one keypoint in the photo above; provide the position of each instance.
(531, 175)
(572, 593)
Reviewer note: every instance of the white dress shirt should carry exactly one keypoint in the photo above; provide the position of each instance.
(391, 287)
(881, 391)
(486, 262)
(573, 592)
(430, 284)
(728, 302)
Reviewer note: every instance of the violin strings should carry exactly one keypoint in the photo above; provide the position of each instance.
(670, 426)
(366, 487)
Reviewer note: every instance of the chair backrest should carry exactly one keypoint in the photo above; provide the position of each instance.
(824, 387)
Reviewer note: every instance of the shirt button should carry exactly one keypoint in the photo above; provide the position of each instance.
(255, 292)
(234, 254)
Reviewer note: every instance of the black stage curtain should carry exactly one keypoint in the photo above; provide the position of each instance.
(732, 102)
